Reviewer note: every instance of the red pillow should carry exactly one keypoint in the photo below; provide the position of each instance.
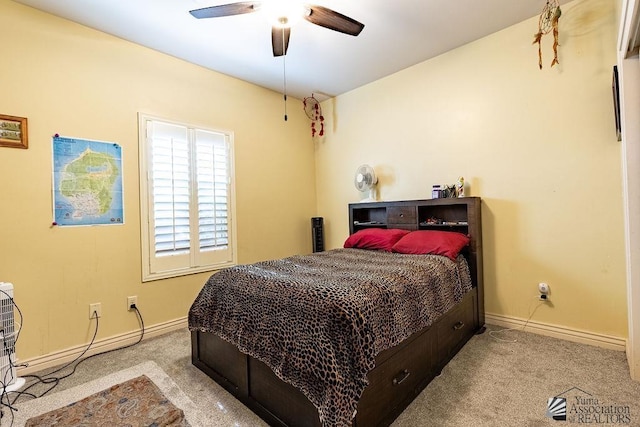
(375, 238)
(447, 243)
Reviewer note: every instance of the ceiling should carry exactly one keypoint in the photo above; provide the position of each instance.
(397, 34)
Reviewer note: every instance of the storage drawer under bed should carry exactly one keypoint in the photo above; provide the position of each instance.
(455, 327)
(397, 380)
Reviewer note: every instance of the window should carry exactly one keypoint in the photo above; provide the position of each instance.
(187, 198)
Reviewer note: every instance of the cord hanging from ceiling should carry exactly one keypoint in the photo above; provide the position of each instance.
(284, 75)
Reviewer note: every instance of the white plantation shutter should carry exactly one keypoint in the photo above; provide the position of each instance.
(187, 184)
(212, 174)
(170, 182)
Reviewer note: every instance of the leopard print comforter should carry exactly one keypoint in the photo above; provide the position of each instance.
(319, 320)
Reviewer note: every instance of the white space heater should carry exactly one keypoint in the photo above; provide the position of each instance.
(8, 376)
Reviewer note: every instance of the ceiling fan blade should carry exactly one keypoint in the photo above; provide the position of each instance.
(333, 20)
(280, 40)
(226, 9)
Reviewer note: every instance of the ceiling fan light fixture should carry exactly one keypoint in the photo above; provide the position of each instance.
(281, 22)
(283, 13)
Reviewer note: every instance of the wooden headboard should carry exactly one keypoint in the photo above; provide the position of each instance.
(450, 214)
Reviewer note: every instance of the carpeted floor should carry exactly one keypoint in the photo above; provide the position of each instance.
(489, 383)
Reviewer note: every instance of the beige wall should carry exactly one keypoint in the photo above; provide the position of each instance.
(74, 81)
(538, 146)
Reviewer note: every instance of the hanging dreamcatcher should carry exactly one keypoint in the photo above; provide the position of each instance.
(548, 22)
(314, 112)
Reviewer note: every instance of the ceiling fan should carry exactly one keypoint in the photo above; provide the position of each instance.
(284, 16)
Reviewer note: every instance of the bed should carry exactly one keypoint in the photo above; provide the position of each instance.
(348, 336)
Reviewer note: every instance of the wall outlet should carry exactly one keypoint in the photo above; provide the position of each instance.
(543, 288)
(131, 301)
(95, 310)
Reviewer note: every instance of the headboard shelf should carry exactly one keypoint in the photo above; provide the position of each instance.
(459, 214)
(454, 226)
(374, 215)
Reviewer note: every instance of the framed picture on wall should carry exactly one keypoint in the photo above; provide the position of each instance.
(615, 87)
(13, 132)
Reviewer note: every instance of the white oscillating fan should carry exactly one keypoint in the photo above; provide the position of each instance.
(366, 180)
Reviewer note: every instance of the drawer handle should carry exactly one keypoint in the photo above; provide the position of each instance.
(399, 379)
(458, 326)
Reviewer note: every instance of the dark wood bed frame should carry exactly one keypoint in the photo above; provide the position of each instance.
(401, 372)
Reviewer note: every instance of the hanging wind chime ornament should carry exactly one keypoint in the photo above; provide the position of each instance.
(548, 22)
(314, 112)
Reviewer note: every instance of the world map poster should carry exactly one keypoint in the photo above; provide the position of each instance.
(87, 182)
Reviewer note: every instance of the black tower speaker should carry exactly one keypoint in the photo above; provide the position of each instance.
(317, 233)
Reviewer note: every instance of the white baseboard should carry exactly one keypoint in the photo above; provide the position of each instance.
(562, 332)
(65, 356)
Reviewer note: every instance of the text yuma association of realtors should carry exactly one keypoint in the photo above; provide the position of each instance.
(589, 410)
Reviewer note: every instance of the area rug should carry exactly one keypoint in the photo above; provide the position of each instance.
(135, 402)
(114, 393)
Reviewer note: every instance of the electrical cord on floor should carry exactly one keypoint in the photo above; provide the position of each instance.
(493, 334)
(107, 351)
(55, 380)
(8, 349)
(46, 379)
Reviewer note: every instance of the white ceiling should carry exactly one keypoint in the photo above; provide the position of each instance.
(397, 34)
